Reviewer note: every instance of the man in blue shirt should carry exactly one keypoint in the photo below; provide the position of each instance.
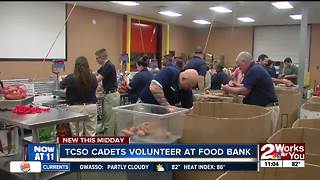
(257, 86)
(197, 63)
(170, 87)
(168, 60)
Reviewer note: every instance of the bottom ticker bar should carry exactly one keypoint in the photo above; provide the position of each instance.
(214, 166)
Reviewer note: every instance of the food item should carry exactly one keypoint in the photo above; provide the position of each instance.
(28, 110)
(152, 129)
(127, 132)
(14, 92)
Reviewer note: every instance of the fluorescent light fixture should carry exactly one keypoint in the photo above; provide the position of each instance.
(220, 9)
(296, 17)
(126, 3)
(170, 13)
(200, 21)
(245, 19)
(282, 5)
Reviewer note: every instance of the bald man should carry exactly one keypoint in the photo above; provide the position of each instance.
(170, 87)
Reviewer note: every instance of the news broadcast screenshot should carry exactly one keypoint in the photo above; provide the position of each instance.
(159, 90)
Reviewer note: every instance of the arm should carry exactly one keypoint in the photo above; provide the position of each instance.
(201, 84)
(290, 76)
(157, 92)
(236, 90)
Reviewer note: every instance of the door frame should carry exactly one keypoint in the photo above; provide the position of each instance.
(128, 38)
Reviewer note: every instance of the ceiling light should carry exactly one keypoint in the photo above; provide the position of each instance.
(282, 5)
(296, 17)
(199, 21)
(245, 19)
(170, 13)
(126, 3)
(220, 9)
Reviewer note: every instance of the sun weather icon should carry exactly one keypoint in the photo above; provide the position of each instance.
(160, 168)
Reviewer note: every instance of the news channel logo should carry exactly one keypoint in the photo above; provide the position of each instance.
(282, 151)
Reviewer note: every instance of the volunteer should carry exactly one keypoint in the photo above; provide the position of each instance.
(107, 74)
(198, 63)
(290, 71)
(168, 60)
(170, 87)
(81, 88)
(267, 64)
(237, 77)
(218, 78)
(257, 86)
(140, 80)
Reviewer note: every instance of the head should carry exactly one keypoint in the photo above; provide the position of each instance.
(166, 60)
(188, 79)
(287, 62)
(270, 63)
(263, 59)
(83, 76)
(101, 56)
(179, 63)
(243, 61)
(143, 62)
(218, 67)
(198, 51)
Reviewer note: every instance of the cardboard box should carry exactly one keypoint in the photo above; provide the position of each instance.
(310, 111)
(310, 172)
(227, 123)
(223, 123)
(289, 103)
(309, 123)
(312, 159)
(314, 99)
(309, 136)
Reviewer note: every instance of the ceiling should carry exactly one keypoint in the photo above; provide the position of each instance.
(263, 12)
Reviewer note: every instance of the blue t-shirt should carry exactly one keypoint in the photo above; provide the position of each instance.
(72, 95)
(218, 79)
(197, 64)
(139, 81)
(168, 77)
(109, 73)
(262, 90)
(271, 71)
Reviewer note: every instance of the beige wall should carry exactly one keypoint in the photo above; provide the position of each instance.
(315, 54)
(181, 39)
(227, 42)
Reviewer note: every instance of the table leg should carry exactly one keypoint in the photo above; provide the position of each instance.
(35, 136)
(22, 143)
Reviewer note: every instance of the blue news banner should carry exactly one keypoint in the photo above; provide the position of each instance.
(144, 157)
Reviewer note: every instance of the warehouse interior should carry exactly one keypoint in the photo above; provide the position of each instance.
(161, 72)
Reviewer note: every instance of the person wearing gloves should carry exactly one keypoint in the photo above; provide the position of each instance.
(81, 88)
(140, 80)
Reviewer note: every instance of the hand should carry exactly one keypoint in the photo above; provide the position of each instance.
(61, 77)
(231, 83)
(287, 82)
(171, 108)
(225, 88)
